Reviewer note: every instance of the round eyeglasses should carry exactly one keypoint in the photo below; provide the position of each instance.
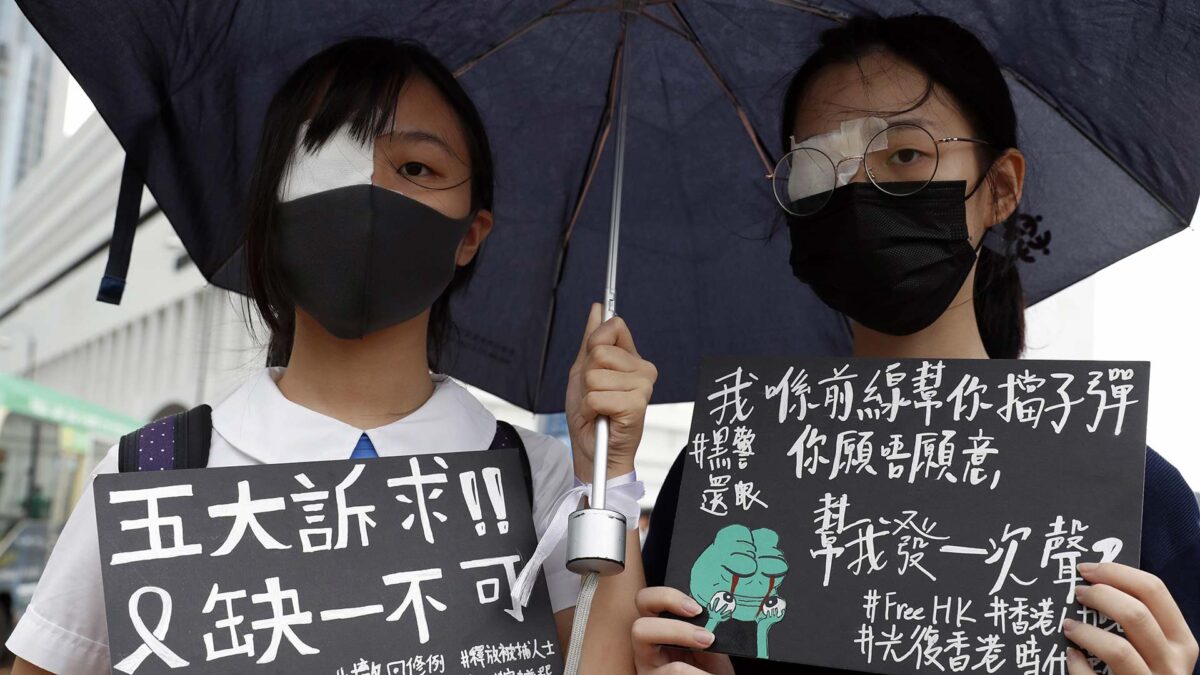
(900, 160)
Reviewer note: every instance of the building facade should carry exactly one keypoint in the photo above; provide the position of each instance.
(30, 101)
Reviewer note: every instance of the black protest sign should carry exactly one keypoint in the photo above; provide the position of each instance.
(391, 566)
(901, 516)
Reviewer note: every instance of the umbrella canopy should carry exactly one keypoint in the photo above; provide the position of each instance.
(1103, 91)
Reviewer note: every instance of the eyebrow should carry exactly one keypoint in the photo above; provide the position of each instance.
(422, 136)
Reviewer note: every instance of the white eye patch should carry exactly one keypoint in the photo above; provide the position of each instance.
(340, 162)
(810, 175)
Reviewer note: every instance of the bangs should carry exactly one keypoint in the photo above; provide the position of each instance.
(358, 87)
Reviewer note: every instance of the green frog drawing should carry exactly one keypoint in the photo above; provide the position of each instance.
(739, 576)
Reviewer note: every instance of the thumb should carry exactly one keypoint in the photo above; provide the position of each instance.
(594, 320)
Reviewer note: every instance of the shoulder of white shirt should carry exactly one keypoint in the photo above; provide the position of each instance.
(255, 415)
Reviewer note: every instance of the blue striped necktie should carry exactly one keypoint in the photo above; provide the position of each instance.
(364, 449)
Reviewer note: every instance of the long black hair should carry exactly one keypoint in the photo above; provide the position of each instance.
(952, 58)
(355, 83)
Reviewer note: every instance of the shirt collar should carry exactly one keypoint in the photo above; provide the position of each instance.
(258, 420)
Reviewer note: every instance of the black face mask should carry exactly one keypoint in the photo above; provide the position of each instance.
(893, 264)
(363, 258)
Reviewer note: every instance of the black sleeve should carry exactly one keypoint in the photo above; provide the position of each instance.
(662, 526)
(1171, 536)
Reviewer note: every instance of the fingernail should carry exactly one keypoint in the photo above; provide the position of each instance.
(1085, 568)
(1069, 625)
(1074, 654)
(691, 607)
(703, 637)
(1082, 591)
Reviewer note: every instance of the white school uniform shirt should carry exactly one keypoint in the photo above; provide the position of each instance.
(64, 628)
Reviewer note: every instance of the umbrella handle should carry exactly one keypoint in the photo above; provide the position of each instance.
(596, 535)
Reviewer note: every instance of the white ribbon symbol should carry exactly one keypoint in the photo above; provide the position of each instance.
(623, 494)
(151, 641)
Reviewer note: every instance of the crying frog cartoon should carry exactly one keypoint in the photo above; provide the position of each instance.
(738, 577)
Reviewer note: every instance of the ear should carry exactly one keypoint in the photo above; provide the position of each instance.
(1008, 180)
(480, 228)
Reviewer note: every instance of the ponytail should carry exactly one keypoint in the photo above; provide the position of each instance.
(999, 304)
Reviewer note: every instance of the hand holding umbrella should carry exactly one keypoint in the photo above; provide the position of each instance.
(609, 380)
(609, 388)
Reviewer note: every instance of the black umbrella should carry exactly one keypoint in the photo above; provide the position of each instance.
(1105, 91)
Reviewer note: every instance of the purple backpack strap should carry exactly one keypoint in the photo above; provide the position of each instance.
(507, 437)
(178, 441)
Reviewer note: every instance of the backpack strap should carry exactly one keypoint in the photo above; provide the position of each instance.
(507, 437)
(178, 441)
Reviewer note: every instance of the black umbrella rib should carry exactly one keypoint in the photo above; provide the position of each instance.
(663, 24)
(840, 17)
(694, 40)
(560, 9)
(1044, 98)
(589, 10)
(471, 63)
(599, 142)
(601, 139)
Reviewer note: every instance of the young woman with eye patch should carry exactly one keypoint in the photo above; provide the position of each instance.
(902, 131)
(370, 200)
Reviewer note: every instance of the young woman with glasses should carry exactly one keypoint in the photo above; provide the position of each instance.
(900, 156)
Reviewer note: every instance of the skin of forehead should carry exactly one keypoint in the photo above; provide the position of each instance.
(876, 85)
(421, 107)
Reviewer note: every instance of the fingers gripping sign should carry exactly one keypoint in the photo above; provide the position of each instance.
(609, 379)
(1157, 639)
(663, 645)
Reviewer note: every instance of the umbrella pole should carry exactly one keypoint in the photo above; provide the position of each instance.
(596, 535)
(600, 467)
